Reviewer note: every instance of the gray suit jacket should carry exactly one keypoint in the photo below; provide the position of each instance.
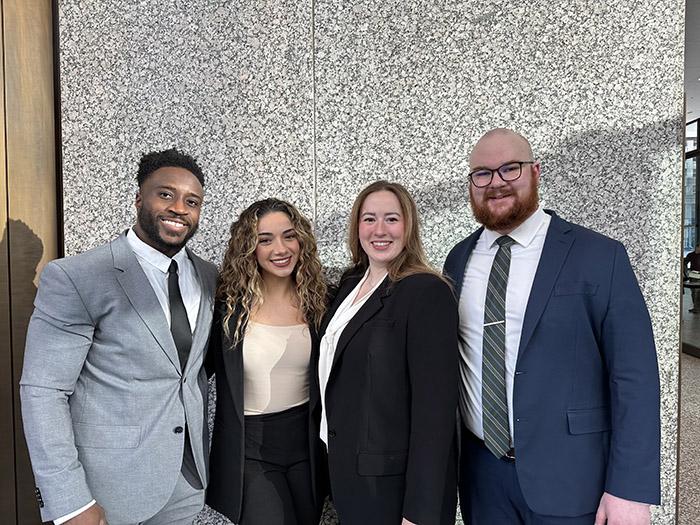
(102, 391)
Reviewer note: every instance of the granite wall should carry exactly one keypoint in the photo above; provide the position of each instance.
(310, 101)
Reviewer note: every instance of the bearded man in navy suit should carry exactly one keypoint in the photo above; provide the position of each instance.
(559, 383)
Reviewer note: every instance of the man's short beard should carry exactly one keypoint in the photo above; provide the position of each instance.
(520, 211)
(150, 228)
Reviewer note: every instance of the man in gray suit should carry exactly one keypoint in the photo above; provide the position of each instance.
(113, 392)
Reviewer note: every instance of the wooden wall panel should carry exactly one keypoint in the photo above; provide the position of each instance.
(31, 203)
(7, 448)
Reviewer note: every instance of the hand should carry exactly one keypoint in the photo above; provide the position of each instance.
(617, 511)
(406, 522)
(91, 516)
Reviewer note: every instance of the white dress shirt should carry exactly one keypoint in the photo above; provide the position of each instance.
(525, 256)
(155, 265)
(342, 316)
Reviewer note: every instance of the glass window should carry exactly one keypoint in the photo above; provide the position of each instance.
(690, 205)
(691, 136)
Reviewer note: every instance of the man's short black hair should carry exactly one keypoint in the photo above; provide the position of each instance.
(155, 160)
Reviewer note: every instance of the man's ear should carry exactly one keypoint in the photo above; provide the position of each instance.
(138, 201)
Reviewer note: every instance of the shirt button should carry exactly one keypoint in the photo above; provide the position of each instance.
(178, 430)
(331, 433)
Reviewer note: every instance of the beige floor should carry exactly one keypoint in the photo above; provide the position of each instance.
(689, 456)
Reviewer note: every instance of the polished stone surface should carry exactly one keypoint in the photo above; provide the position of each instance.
(310, 101)
(407, 91)
(229, 82)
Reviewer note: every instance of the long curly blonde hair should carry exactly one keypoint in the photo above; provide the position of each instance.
(240, 280)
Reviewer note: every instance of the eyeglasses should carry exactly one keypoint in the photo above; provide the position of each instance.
(508, 172)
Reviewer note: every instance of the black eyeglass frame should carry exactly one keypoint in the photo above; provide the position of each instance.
(498, 170)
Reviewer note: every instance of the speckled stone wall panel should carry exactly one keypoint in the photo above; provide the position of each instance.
(229, 82)
(404, 89)
(310, 101)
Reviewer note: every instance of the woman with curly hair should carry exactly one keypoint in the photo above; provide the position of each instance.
(270, 301)
(387, 373)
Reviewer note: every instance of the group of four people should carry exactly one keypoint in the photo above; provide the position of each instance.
(526, 369)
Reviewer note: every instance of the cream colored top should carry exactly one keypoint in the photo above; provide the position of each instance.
(275, 367)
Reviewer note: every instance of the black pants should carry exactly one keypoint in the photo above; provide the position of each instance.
(276, 475)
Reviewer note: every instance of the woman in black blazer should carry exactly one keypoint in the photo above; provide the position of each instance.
(387, 373)
(270, 300)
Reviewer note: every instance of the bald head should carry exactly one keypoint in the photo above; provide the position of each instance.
(504, 193)
(499, 143)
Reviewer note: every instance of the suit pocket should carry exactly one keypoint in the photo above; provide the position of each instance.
(575, 288)
(106, 436)
(380, 323)
(391, 464)
(588, 420)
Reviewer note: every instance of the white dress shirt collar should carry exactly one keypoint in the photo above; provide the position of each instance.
(152, 256)
(523, 234)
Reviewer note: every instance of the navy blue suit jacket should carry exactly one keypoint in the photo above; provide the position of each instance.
(586, 386)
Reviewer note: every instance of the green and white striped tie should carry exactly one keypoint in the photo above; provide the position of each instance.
(493, 383)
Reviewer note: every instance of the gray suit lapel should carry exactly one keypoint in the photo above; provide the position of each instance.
(142, 297)
(204, 316)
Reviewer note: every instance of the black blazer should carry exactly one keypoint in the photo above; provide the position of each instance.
(226, 460)
(391, 401)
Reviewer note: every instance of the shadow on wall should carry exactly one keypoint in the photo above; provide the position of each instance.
(577, 176)
(26, 250)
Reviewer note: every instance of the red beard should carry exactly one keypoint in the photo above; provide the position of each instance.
(507, 220)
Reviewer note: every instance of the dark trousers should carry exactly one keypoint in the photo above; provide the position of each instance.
(489, 490)
(276, 475)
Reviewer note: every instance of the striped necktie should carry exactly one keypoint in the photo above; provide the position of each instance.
(493, 383)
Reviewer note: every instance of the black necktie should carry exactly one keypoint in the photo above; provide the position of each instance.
(179, 323)
(182, 335)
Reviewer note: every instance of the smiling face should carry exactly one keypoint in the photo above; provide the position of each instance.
(381, 228)
(503, 206)
(278, 246)
(168, 205)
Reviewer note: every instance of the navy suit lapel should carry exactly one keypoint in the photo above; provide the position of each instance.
(142, 297)
(557, 244)
(456, 272)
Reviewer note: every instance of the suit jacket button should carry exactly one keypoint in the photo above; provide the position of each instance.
(331, 433)
(178, 430)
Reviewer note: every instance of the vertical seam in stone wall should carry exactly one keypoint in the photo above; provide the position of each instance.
(58, 131)
(313, 116)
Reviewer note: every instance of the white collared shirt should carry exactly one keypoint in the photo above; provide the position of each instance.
(155, 265)
(525, 257)
(342, 316)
